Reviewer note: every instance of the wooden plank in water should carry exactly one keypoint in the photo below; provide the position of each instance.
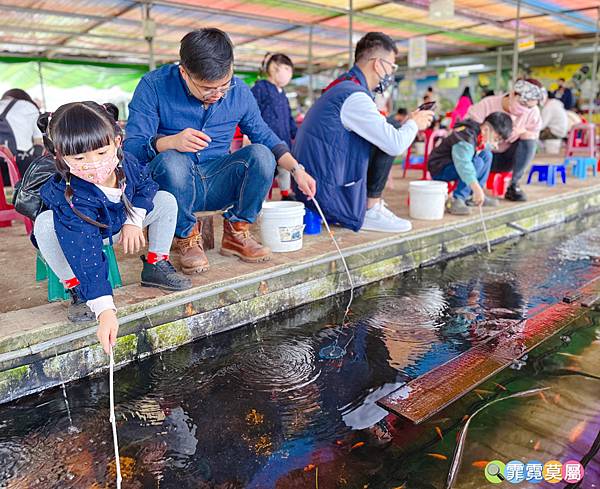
(428, 394)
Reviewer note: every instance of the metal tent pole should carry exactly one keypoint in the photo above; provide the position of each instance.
(595, 65)
(42, 85)
(311, 93)
(515, 64)
(350, 34)
(499, 71)
(149, 28)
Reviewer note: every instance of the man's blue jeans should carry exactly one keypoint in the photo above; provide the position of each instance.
(241, 180)
(482, 163)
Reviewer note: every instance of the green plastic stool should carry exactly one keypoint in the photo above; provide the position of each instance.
(56, 289)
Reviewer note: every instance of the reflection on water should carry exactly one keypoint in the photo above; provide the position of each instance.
(258, 408)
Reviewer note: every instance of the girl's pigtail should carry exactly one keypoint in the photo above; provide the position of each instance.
(264, 66)
(43, 124)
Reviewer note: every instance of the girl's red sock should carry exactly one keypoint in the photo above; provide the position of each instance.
(72, 282)
(285, 193)
(154, 258)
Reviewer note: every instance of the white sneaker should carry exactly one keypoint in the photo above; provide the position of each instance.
(380, 218)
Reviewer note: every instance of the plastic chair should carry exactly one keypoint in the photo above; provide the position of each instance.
(432, 139)
(414, 163)
(56, 289)
(547, 173)
(7, 211)
(582, 141)
(498, 182)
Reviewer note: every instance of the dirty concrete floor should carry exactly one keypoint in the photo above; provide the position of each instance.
(21, 291)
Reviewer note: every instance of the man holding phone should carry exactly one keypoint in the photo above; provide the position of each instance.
(338, 134)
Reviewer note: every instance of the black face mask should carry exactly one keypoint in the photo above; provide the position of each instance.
(384, 83)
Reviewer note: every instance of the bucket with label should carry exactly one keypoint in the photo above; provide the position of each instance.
(282, 225)
(427, 199)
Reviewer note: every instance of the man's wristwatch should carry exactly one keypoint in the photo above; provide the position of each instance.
(296, 168)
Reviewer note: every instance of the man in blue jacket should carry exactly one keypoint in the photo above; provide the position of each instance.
(336, 137)
(182, 119)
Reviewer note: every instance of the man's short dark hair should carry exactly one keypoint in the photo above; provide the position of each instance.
(561, 79)
(402, 111)
(207, 54)
(501, 123)
(372, 42)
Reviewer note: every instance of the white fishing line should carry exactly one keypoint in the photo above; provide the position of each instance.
(113, 422)
(485, 233)
(339, 251)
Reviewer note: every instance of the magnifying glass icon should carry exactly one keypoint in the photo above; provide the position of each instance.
(495, 471)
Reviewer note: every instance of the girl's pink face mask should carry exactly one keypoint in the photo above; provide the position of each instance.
(96, 172)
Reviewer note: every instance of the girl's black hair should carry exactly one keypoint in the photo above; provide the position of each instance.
(79, 127)
(19, 94)
(277, 58)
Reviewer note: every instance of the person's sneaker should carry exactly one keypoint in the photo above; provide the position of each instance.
(514, 193)
(164, 276)
(380, 218)
(458, 207)
(488, 202)
(78, 311)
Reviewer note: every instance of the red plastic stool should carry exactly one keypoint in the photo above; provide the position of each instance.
(7, 211)
(498, 182)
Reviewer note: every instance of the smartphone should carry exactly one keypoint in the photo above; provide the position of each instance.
(426, 106)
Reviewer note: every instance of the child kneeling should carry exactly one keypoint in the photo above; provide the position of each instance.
(98, 195)
(465, 155)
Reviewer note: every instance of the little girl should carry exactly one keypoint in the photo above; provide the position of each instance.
(275, 108)
(98, 195)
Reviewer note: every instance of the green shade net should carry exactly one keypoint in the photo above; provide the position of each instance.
(67, 75)
(26, 74)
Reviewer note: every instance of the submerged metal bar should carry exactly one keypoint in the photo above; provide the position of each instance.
(428, 394)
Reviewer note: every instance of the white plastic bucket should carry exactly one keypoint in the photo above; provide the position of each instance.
(552, 146)
(282, 225)
(427, 199)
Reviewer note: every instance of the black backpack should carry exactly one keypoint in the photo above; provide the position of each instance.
(26, 197)
(7, 136)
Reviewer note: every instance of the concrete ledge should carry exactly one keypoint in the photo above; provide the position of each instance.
(59, 351)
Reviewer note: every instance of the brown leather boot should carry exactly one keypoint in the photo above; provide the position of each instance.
(237, 241)
(191, 252)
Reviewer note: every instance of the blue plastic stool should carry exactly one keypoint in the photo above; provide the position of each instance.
(582, 163)
(56, 289)
(312, 222)
(547, 173)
